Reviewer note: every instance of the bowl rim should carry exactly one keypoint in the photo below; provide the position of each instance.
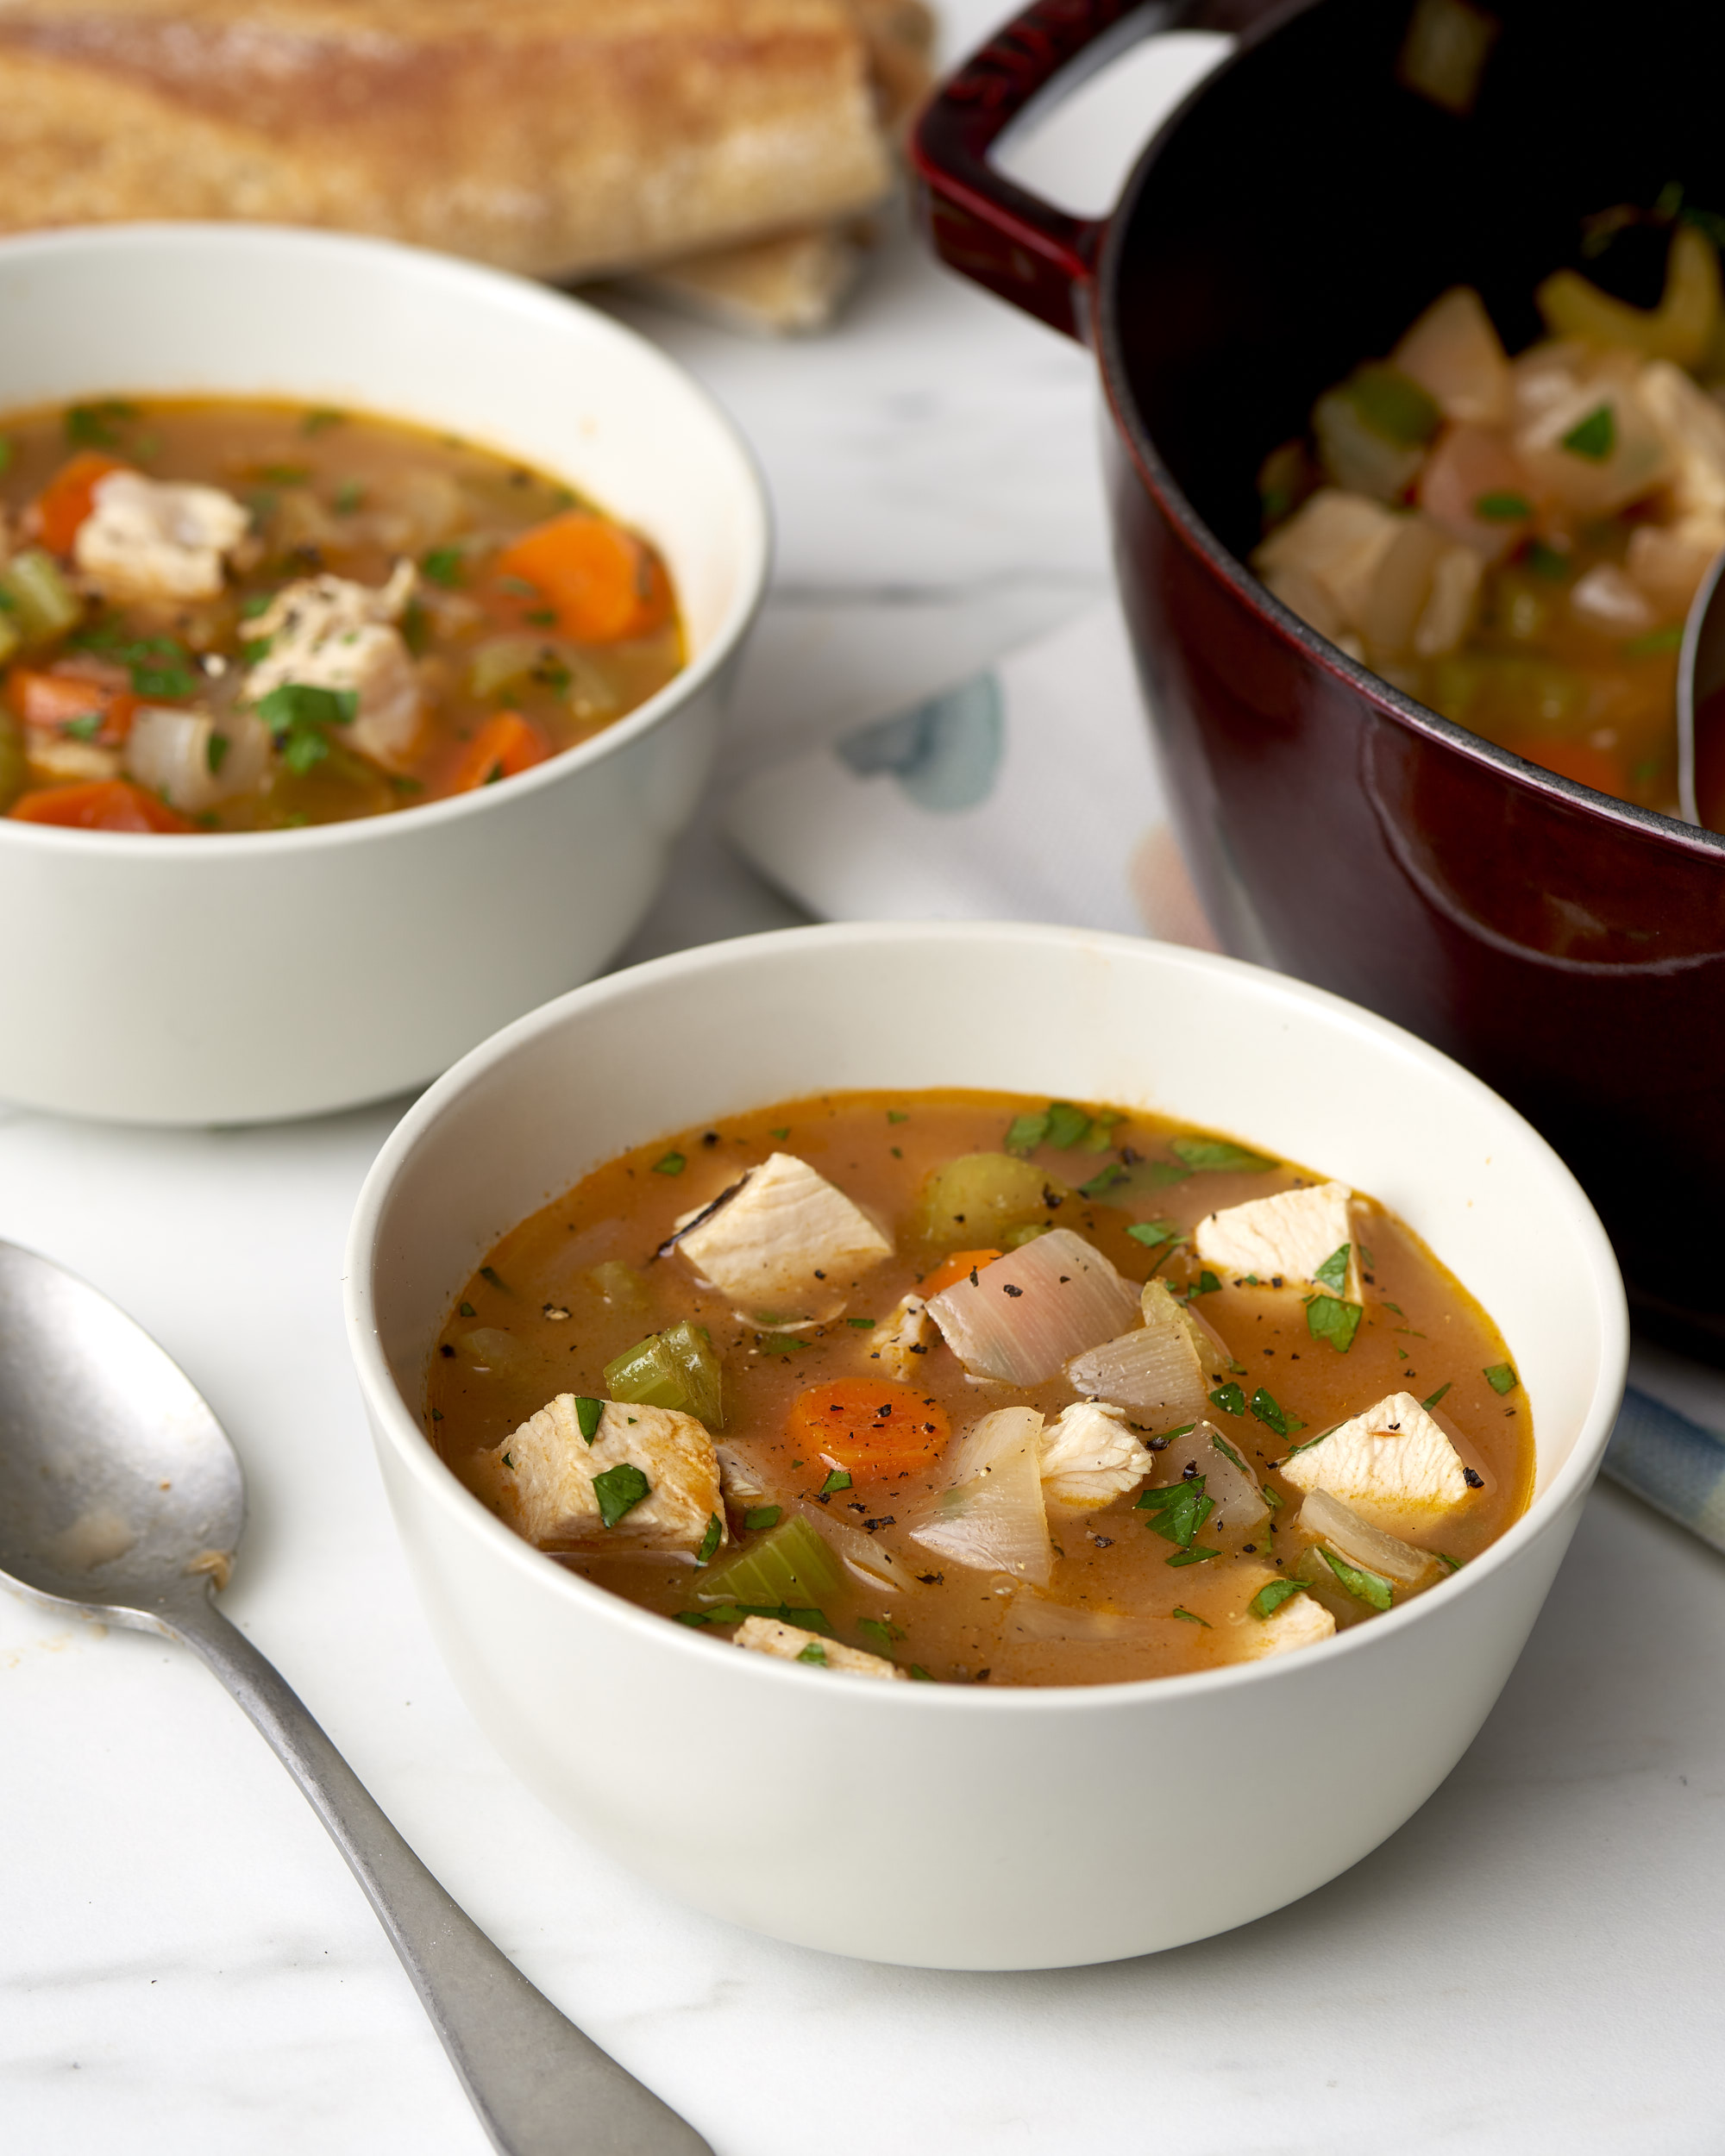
(389, 1412)
(534, 302)
(1155, 474)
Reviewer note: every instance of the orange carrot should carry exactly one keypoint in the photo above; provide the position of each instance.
(69, 497)
(953, 1270)
(869, 1425)
(506, 744)
(602, 583)
(102, 805)
(1577, 759)
(60, 700)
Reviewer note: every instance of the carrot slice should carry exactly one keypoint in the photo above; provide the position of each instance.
(602, 582)
(953, 1270)
(70, 495)
(60, 700)
(101, 805)
(1577, 759)
(869, 1425)
(506, 744)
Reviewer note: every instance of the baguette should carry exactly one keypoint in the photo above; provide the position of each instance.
(561, 138)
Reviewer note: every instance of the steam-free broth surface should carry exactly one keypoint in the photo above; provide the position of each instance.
(1127, 1593)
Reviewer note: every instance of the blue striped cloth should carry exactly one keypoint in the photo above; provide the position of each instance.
(1670, 1463)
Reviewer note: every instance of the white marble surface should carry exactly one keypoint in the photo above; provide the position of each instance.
(1535, 1963)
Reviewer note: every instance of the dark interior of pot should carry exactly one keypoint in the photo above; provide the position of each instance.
(1291, 223)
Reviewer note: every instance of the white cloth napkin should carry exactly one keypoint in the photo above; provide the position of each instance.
(1027, 791)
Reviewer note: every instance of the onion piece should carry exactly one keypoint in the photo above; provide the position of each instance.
(992, 1516)
(1325, 1519)
(872, 1560)
(1159, 1370)
(1032, 1310)
(1229, 1483)
(193, 760)
(1039, 1619)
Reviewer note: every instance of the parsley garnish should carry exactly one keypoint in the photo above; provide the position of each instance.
(349, 496)
(93, 426)
(444, 566)
(318, 422)
(778, 1344)
(1333, 1272)
(1224, 1447)
(466, 1310)
(710, 1541)
(837, 1480)
(861, 1325)
(1271, 1596)
(673, 1164)
(881, 1630)
(299, 715)
(761, 1517)
(1274, 1417)
(1193, 1556)
(587, 1416)
(1107, 1179)
(1066, 1126)
(1594, 437)
(488, 1272)
(786, 1132)
(1503, 509)
(1153, 1233)
(619, 1490)
(85, 728)
(216, 750)
(1206, 1284)
(1547, 563)
(1177, 1510)
(1329, 1317)
(1501, 1377)
(1444, 1557)
(1363, 1585)
(1432, 1399)
(1231, 1400)
(898, 1115)
(920, 1674)
(1190, 1617)
(1220, 1155)
(813, 1652)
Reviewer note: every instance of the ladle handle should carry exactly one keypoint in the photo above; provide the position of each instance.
(540, 2087)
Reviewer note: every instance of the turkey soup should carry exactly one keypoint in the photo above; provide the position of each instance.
(225, 615)
(970, 1388)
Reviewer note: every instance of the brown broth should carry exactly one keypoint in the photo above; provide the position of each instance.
(350, 495)
(1420, 1331)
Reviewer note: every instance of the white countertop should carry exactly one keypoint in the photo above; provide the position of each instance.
(1536, 1962)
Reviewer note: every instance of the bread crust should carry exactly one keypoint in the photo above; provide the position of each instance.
(558, 137)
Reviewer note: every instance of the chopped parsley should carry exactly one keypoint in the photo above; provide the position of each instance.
(299, 717)
(1279, 1419)
(620, 1490)
(96, 426)
(814, 1652)
(444, 566)
(1503, 509)
(710, 1541)
(1333, 1272)
(1206, 1284)
(778, 1344)
(86, 727)
(1154, 1233)
(1432, 1399)
(898, 1115)
(674, 1163)
(466, 1310)
(488, 1272)
(1271, 1596)
(837, 1480)
(349, 496)
(1501, 1377)
(1231, 1400)
(216, 750)
(1025, 1132)
(1547, 563)
(1363, 1585)
(760, 1517)
(861, 1325)
(1190, 1617)
(588, 1413)
(1107, 1179)
(1220, 1156)
(1066, 1126)
(321, 421)
(1329, 1317)
(1224, 1447)
(881, 1630)
(1594, 437)
(920, 1674)
(1193, 1556)
(1177, 1510)
(160, 666)
(1444, 1558)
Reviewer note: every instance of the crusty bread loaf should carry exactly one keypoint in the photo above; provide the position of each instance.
(559, 137)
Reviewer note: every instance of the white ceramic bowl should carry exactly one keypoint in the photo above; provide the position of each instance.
(1003, 1829)
(231, 979)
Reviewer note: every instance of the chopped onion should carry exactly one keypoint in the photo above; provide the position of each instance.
(1229, 1483)
(1038, 1618)
(194, 760)
(872, 1560)
(1157, 1370)
(1325, 1519)
(992, 1516)
(1032, 1310)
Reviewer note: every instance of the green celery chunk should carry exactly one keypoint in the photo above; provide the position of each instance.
(677, 1367)
(971, 1202)
(44, 605)
(792, 1565)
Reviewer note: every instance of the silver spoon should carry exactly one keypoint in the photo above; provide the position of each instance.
(1700, 671)
(122, 1499)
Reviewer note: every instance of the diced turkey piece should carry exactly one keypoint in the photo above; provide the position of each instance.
(785, 1244)
(1393, 1464)
(1300, 1622)
(1285, 1238)
(152, 539)
(902, 1340)
(325, 632)
(1089, 1456)
(546, 1470)
(766, 1635)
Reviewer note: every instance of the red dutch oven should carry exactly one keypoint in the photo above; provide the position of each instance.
(1290, 220)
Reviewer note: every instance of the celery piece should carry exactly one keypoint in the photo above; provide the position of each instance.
(676, 1368)
(1015, 1239)
(44, 604)
(620, 1284)
(15, 775)
(971, 1201)
(792, 1564)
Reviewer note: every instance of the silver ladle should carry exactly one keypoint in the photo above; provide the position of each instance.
(1700, 672)
(122, 1499)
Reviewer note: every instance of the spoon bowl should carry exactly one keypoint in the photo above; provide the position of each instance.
(1700, 709)
(121, 1500)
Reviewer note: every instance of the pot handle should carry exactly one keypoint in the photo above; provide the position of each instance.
(983, 224)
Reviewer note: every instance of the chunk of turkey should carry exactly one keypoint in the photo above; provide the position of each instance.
(1089, 1456)
(546, 1470)
(1284, 1237)
(785, 1244)
(325, 632)
(1301, 1621)
(903, 1339)
(1393, 1464)
(766, 1635)
(155, 539)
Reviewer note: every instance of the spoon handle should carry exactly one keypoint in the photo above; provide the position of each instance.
(540, 2087)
